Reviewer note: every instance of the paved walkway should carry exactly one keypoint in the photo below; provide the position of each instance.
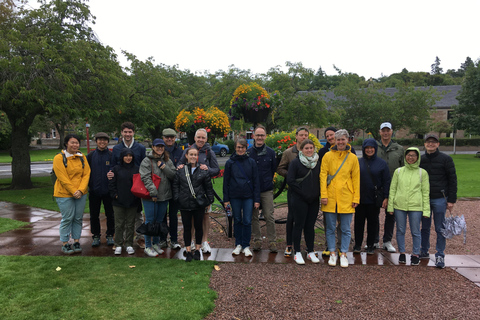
(41, 237)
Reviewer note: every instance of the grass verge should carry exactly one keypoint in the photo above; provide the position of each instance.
(103, 288)
(35, 155)
(9, 224)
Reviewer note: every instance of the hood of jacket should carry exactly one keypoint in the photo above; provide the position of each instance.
(348, 148)
(123, 153)
(236, 157)
(369, 143)
(416, 164)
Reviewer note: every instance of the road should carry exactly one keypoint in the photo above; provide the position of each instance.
(43, 169)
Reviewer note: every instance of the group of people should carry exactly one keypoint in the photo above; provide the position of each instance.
(402, 182)
(185, 185)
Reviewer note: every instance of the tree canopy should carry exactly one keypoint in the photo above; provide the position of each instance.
(467, 113)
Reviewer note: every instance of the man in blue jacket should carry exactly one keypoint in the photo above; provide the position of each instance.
(139, 151)
(266, 161)
(443, 195)
(176, 153)
(99, 161)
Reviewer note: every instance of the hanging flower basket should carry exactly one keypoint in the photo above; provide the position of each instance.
(252, 102)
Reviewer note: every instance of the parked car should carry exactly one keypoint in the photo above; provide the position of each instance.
(220, 149)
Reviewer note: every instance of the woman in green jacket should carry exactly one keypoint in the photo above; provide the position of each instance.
(409, 196)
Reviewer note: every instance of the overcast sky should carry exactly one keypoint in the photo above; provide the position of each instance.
(369, 38)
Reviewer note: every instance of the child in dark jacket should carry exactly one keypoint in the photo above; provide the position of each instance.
(125, 204)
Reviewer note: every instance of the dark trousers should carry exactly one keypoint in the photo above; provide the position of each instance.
(305, 215)
(369, 212)
(197, 216)
(289, 227)
(387, 228)
(95, 202)
(173, 221)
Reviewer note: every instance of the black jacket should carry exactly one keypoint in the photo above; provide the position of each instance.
(238, 183)
(267, 165)
(309, 189)
(122, 181)
(99, 162)
(380, 173)
(442, 175)
(201, 183)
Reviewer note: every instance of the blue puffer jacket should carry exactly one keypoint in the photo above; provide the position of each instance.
(100, 164)
(379, 170)
(266, 165)
(138, 150)
(241, 184)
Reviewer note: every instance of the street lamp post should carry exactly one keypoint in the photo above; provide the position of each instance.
(87, 125)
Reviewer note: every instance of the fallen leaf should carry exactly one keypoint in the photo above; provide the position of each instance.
(131, 267)
(182, 287)
(58, 269)
(181, 280)
(216, 267)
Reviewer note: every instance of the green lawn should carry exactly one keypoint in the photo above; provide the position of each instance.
(9, 224)
(468, 175)
(104, 288)
(36, 155)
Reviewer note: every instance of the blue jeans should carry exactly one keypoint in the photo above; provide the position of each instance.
(72, 214)
(439, 208)
(242, 223)
(154, 212)
(345, 220)
(414, 218)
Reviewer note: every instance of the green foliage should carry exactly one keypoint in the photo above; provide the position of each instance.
(98, 287)
(365, 109)
(467, 113)
(231, 145)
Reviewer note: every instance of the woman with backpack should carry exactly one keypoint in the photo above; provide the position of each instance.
(71, 186)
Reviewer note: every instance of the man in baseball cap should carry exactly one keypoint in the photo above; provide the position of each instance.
(169, 136)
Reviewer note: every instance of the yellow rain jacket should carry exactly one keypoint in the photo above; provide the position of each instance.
(344, 189)
(70, 178)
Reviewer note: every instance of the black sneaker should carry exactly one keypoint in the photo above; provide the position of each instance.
(96, 241)
(424, 255)
(288, 252)
(189, 257)
(110, 241)
(196, 255)
(371, 250)
(402, 258)
(357, 249)
(440, 262)
(67, 248)
(76, 247)
(414, 260)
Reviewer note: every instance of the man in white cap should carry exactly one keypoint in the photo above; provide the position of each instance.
(393, 154)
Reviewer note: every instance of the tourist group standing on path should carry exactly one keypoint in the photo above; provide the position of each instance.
(404, 183)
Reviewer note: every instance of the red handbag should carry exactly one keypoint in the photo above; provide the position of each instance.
(138, 187)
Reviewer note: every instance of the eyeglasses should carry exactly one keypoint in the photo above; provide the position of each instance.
(169, 137)
(260, 135)
(431, 142)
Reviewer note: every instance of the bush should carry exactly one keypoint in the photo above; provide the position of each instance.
(230, 144)
(443, 142)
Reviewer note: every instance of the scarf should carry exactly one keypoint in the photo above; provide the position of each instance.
(309, 162)
(261, 151)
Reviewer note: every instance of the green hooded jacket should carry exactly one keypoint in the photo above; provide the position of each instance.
(410, 188)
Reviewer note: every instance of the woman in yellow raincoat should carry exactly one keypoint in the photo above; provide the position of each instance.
(340, 193)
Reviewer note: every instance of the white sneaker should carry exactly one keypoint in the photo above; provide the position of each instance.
(237, 250)
(299, 258)
(343, 261)
(157, 248)
(247, 252)
(118, 250)
(389, 247)
(206, 247)
(150, 252)
(130, 250)
(313, 257)
(333, 260)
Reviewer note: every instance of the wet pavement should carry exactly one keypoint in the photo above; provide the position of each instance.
(41, 237)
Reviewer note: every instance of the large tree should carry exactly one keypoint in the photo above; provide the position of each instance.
(467, 113)
(51, 62)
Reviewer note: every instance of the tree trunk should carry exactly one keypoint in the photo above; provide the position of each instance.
(61, 134)
(20, 156)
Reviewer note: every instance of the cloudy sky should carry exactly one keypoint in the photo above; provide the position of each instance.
(369, 38)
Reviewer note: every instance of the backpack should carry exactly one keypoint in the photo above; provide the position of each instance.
(53, 176)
